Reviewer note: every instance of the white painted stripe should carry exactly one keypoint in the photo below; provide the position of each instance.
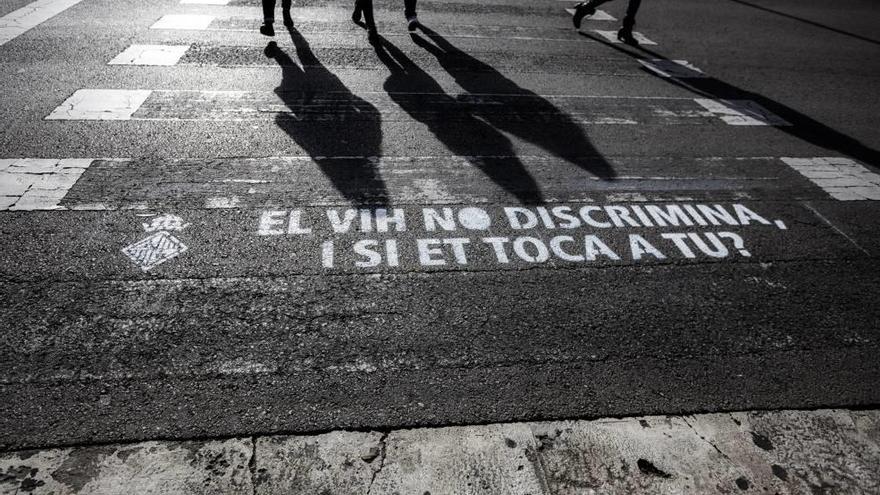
(206, 2)
(150, 55)
(178, 21)
(612, 37)
(16, 23)
(842, 178)
(675, 69)
(100, 104)
(741, 112)
(600, 15)
(38, 184)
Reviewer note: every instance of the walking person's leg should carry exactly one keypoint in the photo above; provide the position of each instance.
(629, 22)
(409, 11)
(365, 8)
(285, 12)
(268, 18)
(584, 9)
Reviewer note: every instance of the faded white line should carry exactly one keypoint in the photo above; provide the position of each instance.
(100, 104)
(16, 23)
(834, 227)
(675, 69)
(184, 21)
(205, 2)
(163, 55)
(38, 184)
(842, 178)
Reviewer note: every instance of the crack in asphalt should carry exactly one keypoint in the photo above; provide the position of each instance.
(383, 446)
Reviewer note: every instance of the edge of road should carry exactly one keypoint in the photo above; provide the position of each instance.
(786, 451)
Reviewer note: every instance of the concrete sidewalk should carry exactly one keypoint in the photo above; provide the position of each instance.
(828, 451)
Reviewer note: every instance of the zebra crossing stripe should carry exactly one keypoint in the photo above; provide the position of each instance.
(38, 184)
(741, 112)
(842, 178)
(16, 23)
(611, 36)
(100, 104)
(184, 21)
(150, 55)
(114, 104)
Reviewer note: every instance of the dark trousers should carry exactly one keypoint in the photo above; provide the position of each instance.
(631, 10)
(409, 8)
(269, 9)
(365, 7)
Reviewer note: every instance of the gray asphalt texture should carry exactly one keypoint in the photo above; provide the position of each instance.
(505, 106)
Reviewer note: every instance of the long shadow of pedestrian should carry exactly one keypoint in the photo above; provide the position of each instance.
(422, 97)
(802, 126)
(522, 113)
(339, 130)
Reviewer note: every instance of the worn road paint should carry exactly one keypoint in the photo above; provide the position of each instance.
(100, 104)
(675, 69)
(184, 21)
(611, 36)
(150, 55)
(600, 15)
(842, 178)
(37, 184)
(741, 112)
(205, 2)
(154, 250)
(14, 24)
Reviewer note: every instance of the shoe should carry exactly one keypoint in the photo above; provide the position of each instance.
(626, 36)
(288, 21)
(267, 30)
(582, 10)
(412, 23)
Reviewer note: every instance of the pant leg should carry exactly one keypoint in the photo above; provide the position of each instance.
(631, 10)
(367, 7)
(409, 8)
(286, 5)
(269, 10)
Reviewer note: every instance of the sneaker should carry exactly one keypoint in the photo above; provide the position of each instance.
(267, 30)
(412, 23)
(288, 21)
(582, 10)
(626, 36)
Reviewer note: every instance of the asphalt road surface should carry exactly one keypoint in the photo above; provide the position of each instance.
(498, 218)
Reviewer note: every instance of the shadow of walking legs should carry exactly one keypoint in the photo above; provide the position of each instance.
(422, 97)
(557, 133)
(802, 126)
(339, 130)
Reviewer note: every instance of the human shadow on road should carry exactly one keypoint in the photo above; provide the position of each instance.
(523, 113)
(802, 126)
(340, 131)
(483, 146)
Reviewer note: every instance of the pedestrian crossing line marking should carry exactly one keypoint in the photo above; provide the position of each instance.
(673, 69)
(600, 15)
(842, 178)
(159, 55)
(205, 2)
(16, 23)
(184, 21)
(38, 184)
(167, 105)
(741, 112)
(100, 104)
(611, 36)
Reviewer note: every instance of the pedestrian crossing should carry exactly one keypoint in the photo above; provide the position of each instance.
(39, 184)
